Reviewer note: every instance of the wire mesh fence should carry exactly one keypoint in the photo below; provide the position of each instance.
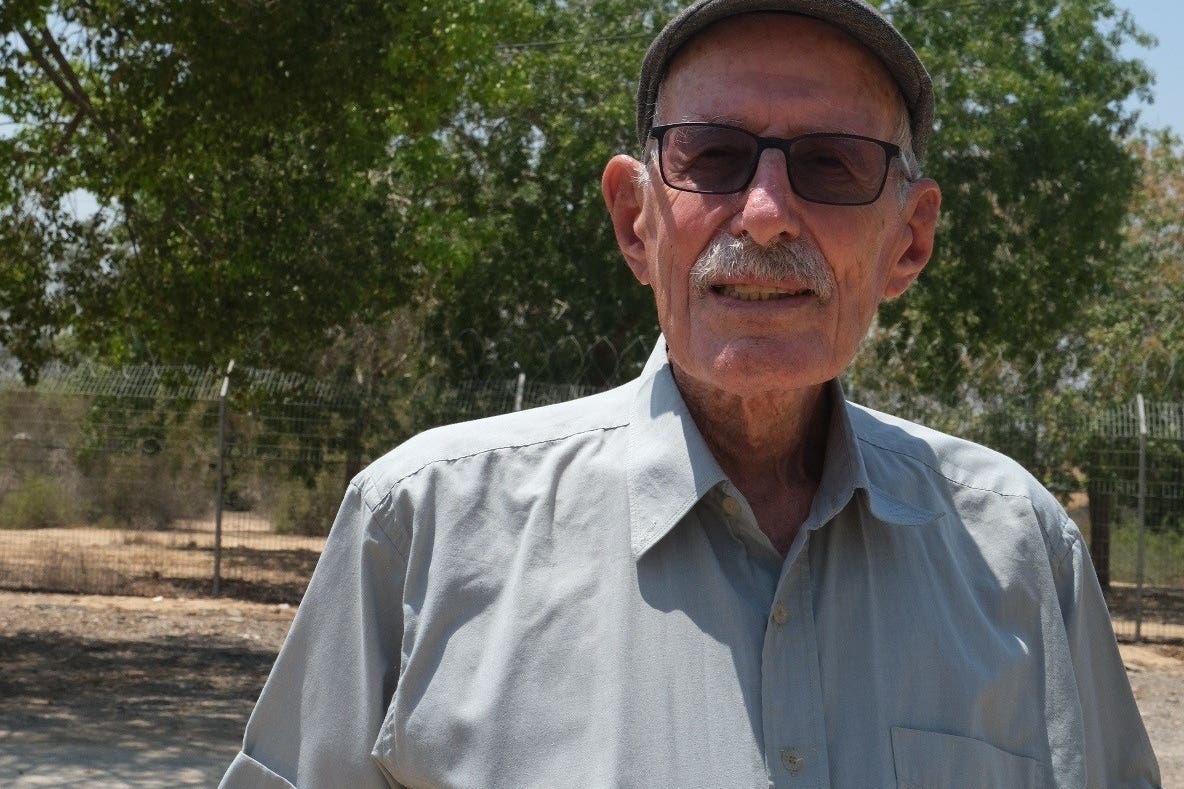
(152, 480)
(104, 471)
(156, 480)
(1135, 525)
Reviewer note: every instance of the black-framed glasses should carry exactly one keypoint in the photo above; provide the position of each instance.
(717, 159)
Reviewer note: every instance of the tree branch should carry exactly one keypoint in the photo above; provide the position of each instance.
(49, 70)
(67, 70)
(68, 132)
(66, 82)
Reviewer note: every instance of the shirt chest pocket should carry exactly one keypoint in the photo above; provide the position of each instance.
(931, 760)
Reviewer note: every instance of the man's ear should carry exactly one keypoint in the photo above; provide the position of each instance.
(623, 197)
(921, 212)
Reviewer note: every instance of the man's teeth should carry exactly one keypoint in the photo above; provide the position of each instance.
(756, 293)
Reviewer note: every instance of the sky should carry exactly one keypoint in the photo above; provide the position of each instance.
(1165, 20)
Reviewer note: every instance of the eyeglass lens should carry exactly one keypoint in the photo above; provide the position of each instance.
(823, 168)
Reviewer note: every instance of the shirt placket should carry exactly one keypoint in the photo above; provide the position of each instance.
(791, 685)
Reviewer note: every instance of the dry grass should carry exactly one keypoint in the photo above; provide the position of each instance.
(256, 563)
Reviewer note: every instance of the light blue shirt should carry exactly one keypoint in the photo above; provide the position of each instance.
(577, 596)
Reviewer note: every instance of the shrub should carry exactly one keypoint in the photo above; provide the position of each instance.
(1163, 556)
(36, 502)
(143, 493)
(307, 509)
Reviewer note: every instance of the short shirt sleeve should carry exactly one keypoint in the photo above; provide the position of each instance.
(319, 714)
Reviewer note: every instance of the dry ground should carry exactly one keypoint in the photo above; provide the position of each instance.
(256, 563)
(128, 691)
(135, 692)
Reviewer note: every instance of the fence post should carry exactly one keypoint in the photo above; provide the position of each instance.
(520, 391)
(221, 480)
(1142, 523)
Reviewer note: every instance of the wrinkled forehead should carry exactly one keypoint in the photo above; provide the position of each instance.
(780, 55)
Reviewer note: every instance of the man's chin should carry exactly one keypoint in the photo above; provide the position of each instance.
(754, 366)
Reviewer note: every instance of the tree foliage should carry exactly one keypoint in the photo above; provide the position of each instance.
(274, 177)
(1030, 149)
(1136, 336)
(237, 152)
(520, 252)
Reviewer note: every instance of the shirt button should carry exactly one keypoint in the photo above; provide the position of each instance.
(792, 760)
(731, 506)
(780, 615)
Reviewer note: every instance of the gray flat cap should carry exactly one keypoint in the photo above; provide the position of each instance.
(855, 17)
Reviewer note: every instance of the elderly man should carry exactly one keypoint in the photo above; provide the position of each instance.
(721, 574)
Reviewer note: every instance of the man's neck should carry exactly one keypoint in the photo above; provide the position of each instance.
(771, 445)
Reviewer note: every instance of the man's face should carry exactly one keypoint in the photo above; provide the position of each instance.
(783, 76)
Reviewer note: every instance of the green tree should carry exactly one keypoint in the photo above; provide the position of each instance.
(1030, 149)
(270, 177)
(1136, 337)
(237, 152)
(521, 269)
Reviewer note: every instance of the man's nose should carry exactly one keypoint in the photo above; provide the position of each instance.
(770, 207)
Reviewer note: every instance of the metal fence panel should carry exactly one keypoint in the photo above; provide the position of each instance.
(117, 481)
(104, 481)
(1136, 516)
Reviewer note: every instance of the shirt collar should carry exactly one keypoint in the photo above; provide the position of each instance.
(670, 468)
(845, 476)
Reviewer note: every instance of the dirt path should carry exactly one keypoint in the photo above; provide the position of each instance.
(127, 691)
(110, 692)
(1157, 678)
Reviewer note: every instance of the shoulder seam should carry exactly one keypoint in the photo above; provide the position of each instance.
(1045, 531)
(942, 474)
(386, 494)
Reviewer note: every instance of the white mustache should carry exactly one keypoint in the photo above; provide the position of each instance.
(730, 257)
